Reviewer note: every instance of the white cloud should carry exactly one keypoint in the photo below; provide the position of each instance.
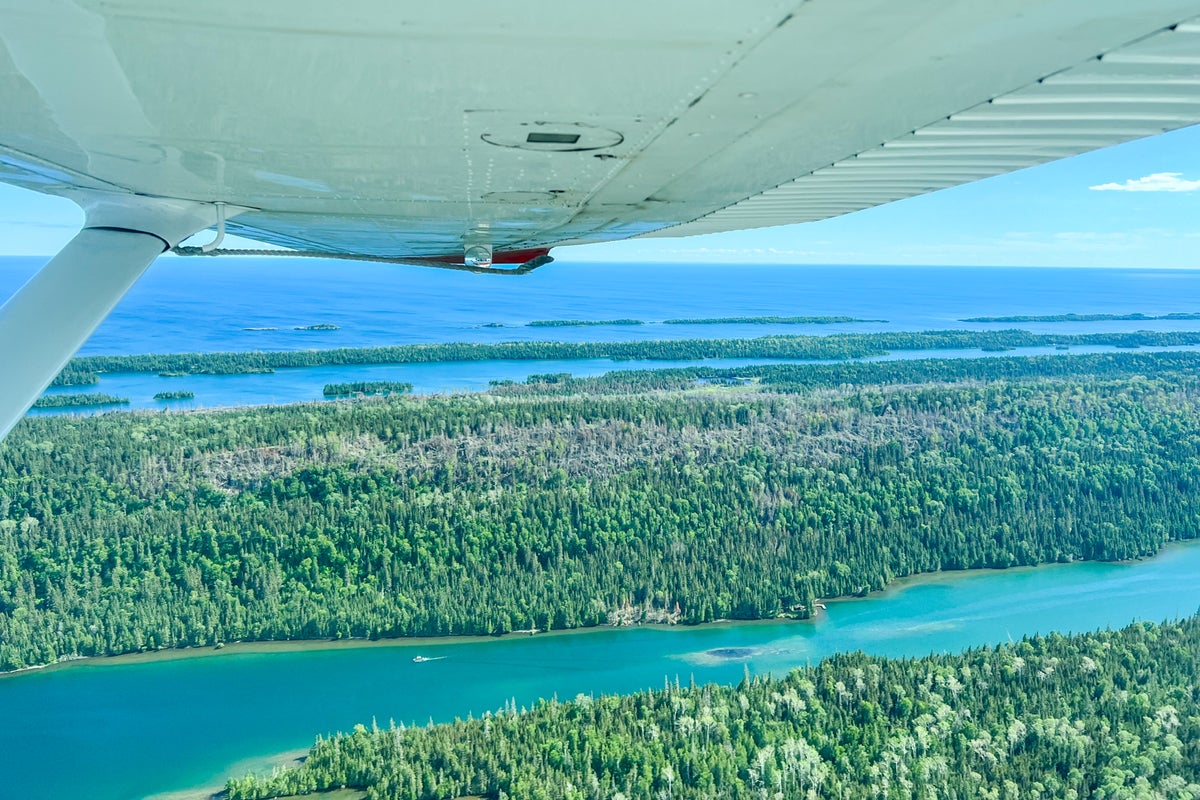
(1158, 182)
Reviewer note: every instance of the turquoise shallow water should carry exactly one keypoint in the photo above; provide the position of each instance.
(115, 730)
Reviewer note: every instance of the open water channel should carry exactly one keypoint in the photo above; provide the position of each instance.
(114, 729)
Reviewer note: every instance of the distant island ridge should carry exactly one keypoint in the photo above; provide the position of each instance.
(766, 320)
(85, 370)
(579, 323)
(1179, 315)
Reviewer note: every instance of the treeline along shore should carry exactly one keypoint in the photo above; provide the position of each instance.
(86, 370)
(691, 495)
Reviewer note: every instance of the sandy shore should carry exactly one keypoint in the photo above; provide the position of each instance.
(261, 764)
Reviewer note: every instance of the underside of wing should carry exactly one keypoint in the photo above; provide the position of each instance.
(420, 132)
(1144, 88)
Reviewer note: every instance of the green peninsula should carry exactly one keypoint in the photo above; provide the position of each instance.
(687, 495)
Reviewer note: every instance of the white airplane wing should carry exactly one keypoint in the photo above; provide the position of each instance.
(469, 132)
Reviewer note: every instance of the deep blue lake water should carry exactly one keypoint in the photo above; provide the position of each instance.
(204, 304)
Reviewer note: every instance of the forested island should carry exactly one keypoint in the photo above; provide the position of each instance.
(577, 323)
(688, 495)
(555, 378)
(79, 400)
(323, 326)
(366, 388)
(1183, 315)
(182, 394)
(84, 370)
(1113, 714)
(767, 321)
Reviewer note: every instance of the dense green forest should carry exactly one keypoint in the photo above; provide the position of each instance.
(84, 370)
(1102, 715)
(181, 394)
(693, 495)
(1179, 315)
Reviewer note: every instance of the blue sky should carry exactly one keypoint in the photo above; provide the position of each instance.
(1134, 205)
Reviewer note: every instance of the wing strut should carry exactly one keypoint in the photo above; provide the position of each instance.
(46, 321)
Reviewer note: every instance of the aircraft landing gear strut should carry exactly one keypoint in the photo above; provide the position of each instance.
(52, 315)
